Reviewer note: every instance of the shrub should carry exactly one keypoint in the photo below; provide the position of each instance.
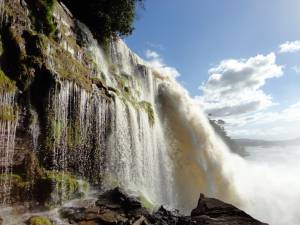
(106, 18)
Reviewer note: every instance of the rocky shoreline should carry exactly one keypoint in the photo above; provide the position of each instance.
(115, 207)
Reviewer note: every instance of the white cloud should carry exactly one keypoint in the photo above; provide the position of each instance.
(284, 124)
(157, 62)
(289, 47)
(234, 86)
(152, 54)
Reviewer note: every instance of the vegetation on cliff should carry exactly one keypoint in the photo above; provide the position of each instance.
(6, 84)
(43, 15)
(106, 18)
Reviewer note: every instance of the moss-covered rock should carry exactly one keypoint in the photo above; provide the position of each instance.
(39, 220)
(54, 188)
(6, 84)
(7, 113)
(42, 15)
(146, 203)
(148, 108)
(19, 189)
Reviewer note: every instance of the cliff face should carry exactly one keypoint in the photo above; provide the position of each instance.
(65, 102)
(73, 115)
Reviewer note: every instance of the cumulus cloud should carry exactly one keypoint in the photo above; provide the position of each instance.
(234, 86)
(289, 47)
(283, 124)
(157, 62)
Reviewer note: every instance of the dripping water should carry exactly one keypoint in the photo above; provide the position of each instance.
(7, 146)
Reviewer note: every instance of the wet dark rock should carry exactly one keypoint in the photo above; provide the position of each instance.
(164, 216)
(112, 207)
(117, 198)
(116, 207)
(212, 211)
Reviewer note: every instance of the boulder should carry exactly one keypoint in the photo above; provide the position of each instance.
(112, 207)
(116, 207)
(212, 211)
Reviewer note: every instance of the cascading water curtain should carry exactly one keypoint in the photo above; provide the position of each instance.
(8, 124)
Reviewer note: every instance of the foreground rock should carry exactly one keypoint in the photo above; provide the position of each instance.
(115, 207)
(211, 211)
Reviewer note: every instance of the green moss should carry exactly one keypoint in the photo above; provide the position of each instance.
(72, 70)
(73, 134)
(6, 84)
(7, 113)
(12, 177)
(39, 220)
(126, 95)
(1, 47)
(146, 203)
(16, 181)
(56, 130)
(65, 184)
(98, 82)
(147, 107)
(42, 15)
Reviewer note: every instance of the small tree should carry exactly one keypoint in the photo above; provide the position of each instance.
(106, 18)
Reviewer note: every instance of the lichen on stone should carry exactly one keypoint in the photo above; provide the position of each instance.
(39, 220)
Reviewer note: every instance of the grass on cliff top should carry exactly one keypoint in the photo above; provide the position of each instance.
(6, 85)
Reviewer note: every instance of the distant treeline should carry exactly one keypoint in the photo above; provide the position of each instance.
(219, 128)
(264, 143)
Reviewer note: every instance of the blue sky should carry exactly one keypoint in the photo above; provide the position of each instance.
(197, 35)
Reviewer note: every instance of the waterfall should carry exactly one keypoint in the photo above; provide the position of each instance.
(202, 161)
(8, 124)
(136, 158)
(34, 130)
(77, 122)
